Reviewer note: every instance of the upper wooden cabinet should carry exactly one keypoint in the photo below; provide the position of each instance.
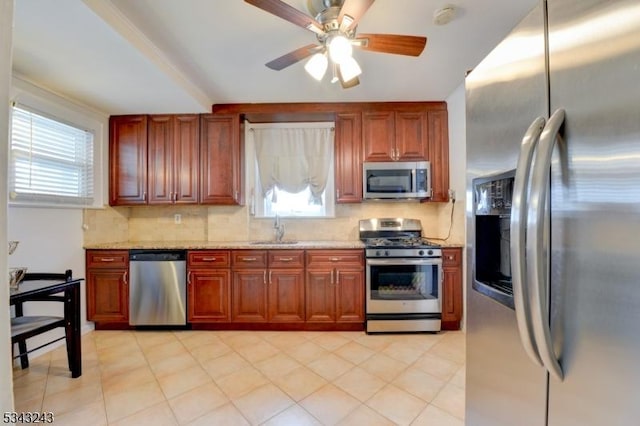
(439, 154)
(221, 156)
(175, 159)
(173, 142)
(128, 160)
(153, 159)
(410, 132)
(348, 157)
(395, 134)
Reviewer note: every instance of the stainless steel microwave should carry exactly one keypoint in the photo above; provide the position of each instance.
(396, 180)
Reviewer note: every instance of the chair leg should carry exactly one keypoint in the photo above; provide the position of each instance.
(24, 359)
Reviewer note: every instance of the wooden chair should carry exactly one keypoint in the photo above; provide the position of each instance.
(24, 327)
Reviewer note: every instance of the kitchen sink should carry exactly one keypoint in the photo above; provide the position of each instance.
(271, 242)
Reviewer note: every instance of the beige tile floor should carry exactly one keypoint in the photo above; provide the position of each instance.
(251, 378)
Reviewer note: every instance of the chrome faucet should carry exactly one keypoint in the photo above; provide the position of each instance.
(279, 227)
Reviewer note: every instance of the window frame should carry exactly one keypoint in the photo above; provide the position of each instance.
(42, 102)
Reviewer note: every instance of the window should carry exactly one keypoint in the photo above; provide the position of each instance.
(292, 167)
(50, 162)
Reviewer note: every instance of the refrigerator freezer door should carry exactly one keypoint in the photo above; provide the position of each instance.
(595, 184)
(505, 93)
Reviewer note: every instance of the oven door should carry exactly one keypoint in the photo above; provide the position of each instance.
(404, 286)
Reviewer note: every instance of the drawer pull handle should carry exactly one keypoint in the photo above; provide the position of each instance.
(209, 259)
(249, 259)
(285, 259)
(107, 259)
(125, 278)
(335, 259)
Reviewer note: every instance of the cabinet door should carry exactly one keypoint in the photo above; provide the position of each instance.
(451, 288)
(412, 135)
(439, 154)
(320, 296)
(348, 158)
(160, 158)
(128, 160)
(107, 295)
(349, 296)
(186, 144)
(249, 296)
(209, 296)
(286, 295)
(220, 159)
(378, 134)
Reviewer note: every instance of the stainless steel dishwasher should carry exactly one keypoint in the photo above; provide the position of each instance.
(157, 287)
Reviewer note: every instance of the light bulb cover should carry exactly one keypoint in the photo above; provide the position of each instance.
(317, 66)
(340, 49)
(349, 69)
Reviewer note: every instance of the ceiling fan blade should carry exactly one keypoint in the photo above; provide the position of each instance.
(293, 57)
(354, 9)
(288, 13)
(392, 43)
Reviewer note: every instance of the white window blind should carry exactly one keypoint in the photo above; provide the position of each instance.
(51, 163)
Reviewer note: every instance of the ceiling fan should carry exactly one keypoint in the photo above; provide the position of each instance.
(335, 29)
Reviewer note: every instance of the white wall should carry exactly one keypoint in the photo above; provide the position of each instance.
(6, 30)
(456, 106)
(51, 239)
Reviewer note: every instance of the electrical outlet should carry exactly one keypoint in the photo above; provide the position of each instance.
(452, 194)
(177, 219)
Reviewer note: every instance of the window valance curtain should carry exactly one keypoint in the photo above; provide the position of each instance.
(293, 159)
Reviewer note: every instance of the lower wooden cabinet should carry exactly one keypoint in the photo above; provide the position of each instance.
(107, 286)
(335, 286)
(451, 288)
(208, 286)
(268, 286)
(244, 289)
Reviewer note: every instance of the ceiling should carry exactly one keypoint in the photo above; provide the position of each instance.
(158, 56)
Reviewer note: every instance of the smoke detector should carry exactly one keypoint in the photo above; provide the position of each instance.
(444, 15)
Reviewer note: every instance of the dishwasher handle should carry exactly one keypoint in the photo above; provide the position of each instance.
(157, 255)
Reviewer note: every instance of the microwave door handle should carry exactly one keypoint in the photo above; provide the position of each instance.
(517, 235)
(536, 225)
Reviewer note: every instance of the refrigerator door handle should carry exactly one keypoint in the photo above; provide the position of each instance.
(536, 266)
(518, 223)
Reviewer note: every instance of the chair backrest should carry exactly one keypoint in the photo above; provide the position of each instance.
(31, 276)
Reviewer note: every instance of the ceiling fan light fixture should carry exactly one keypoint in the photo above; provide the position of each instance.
(350, 69)
(340, 48)
(346, 22)
(317, 66)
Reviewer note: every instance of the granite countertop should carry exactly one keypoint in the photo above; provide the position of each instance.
(256, 245)
(199, 245)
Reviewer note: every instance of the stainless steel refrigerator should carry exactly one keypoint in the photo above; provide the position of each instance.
(553, 161)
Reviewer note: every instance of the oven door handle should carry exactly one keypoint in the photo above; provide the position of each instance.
(387, 262)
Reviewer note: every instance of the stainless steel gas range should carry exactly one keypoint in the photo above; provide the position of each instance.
(403, 276)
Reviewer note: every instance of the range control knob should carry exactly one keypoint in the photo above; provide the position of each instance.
(378, 253)
(430, 252)
(386, 252)
(421, 252)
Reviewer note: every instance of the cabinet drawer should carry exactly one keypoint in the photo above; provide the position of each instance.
(209, 259)
(451, 256)
(332, 258)
(286, 258)
(107, 258)
(249, 258)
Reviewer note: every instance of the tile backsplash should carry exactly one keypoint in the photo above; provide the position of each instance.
(234, 223)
